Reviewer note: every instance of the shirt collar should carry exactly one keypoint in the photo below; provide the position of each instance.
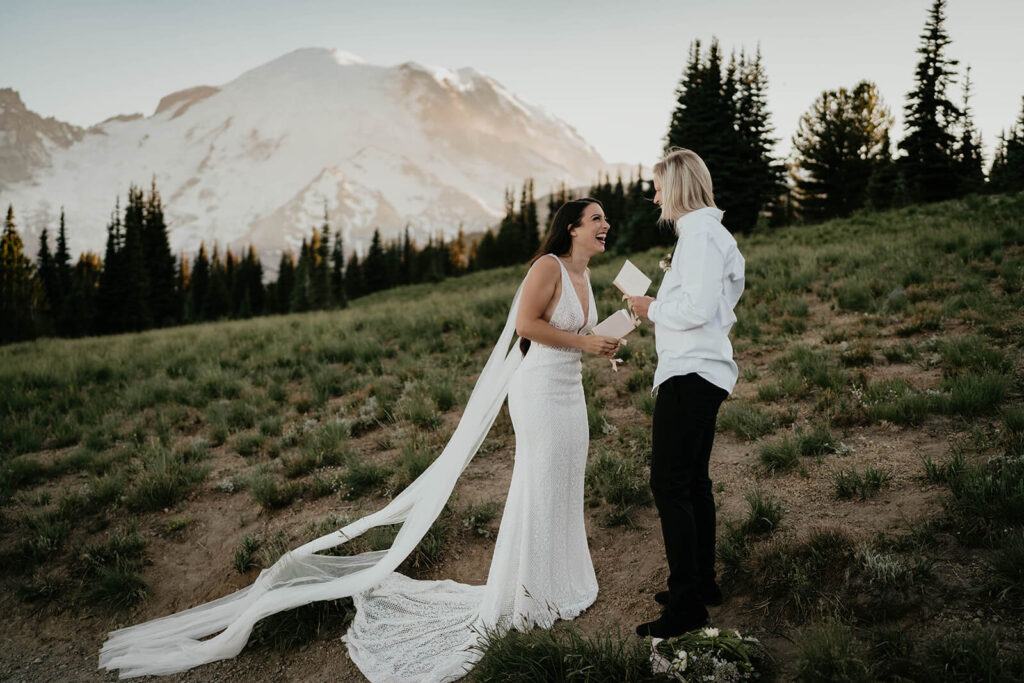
(694, 215)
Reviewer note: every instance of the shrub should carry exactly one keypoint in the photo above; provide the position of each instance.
(829, 651)
(477, 518)
(271, 494)
(746, 421)
(245, 553)
(563, 654)
(764, 515)
(361, 478)
(166, 479)
(850, 483)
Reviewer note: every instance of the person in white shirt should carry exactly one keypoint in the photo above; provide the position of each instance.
(692, 316)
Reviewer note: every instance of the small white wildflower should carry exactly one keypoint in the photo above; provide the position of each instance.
(711, 632)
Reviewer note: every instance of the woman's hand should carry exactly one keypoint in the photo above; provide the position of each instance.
(598, 345)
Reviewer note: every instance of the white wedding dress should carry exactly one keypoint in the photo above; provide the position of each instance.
(419, 631)
(408, 630)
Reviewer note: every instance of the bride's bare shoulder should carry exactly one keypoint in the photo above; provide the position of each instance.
(544, 270)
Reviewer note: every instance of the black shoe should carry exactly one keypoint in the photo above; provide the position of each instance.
(670, 625)
(710, 594)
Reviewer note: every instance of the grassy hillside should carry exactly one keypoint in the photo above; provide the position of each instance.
(869, 467)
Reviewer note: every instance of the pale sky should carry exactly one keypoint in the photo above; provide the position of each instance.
(608, 68)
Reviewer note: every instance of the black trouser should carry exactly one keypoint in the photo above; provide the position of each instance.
(683, 432)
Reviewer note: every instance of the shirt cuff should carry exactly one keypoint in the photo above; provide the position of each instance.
(651, 311)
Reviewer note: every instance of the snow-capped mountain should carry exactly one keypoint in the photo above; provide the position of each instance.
(259, 159)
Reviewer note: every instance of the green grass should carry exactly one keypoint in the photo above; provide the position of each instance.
(562, 654)
(746, 421)
(94, 429)
(362, 478)
(851, 483)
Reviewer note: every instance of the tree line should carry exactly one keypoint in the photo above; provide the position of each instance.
(844, 161)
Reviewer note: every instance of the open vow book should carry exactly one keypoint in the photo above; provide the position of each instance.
(631, 281)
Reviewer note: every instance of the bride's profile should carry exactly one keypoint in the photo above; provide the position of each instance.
(411, 630)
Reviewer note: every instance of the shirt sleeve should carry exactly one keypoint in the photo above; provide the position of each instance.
(694, 302)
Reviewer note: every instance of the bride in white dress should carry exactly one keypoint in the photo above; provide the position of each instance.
(409, 630)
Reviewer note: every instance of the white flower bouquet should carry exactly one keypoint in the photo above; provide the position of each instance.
(710, 655)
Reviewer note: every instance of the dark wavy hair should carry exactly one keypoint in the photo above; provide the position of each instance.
(558, 241)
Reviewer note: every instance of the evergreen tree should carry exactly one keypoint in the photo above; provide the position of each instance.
(217, 303)
(354, 282)
(113, 289)
(46, 273)
(285, 283)
(1006, 173)
(759, 176)
(409, 274)
(62, 260)
(839, 144)
(135, 307)
(375, 270)
(458, 251)
(338, 293)
(163, 303)
(722, 115)
(320, 280)
(929, 168)
(968, 155)
(20, 292)
(84, 295)
(509, 237)
(199, 285)
(182, 285)
(300, 296)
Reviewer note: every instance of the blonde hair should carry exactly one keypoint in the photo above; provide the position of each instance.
(685, 184)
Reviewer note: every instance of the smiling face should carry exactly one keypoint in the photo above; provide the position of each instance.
(590, 234)
(657, 190)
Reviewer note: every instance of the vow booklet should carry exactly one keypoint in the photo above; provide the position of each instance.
(617, 325)
(631, 281)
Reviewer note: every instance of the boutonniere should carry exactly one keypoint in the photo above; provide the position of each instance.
(666, 263)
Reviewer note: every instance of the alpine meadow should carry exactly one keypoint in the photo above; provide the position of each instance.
(869, 464)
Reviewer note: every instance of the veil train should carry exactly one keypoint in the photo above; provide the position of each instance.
(181, 641)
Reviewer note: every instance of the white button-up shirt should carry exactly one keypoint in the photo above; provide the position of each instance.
(693, 312)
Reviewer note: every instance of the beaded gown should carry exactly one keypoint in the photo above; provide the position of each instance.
(407, 630)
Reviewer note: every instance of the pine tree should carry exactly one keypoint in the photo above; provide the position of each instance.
(338, 293)
(20, 292)
(320, 277)
(158, 262)
(722, 115)
(509, 237)
(375, 265)
(929, 168)
(84, 295)
(354, 282)
(409, 274)
(135, 308)
(759, 176)
(217, 303)
(1006, 173)
(300, 298)
(285, 283)
(839, 144)
(199, 285)
(182, 286)
(62, 260)
(46, 274)
(458, 251)
(113, 288)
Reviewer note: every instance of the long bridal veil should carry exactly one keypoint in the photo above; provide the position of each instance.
(183, 640)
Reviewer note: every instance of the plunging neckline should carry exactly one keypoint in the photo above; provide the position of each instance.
(579, 302)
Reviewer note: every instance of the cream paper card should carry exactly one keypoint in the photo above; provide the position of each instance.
(631, 281)
(617, 325)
